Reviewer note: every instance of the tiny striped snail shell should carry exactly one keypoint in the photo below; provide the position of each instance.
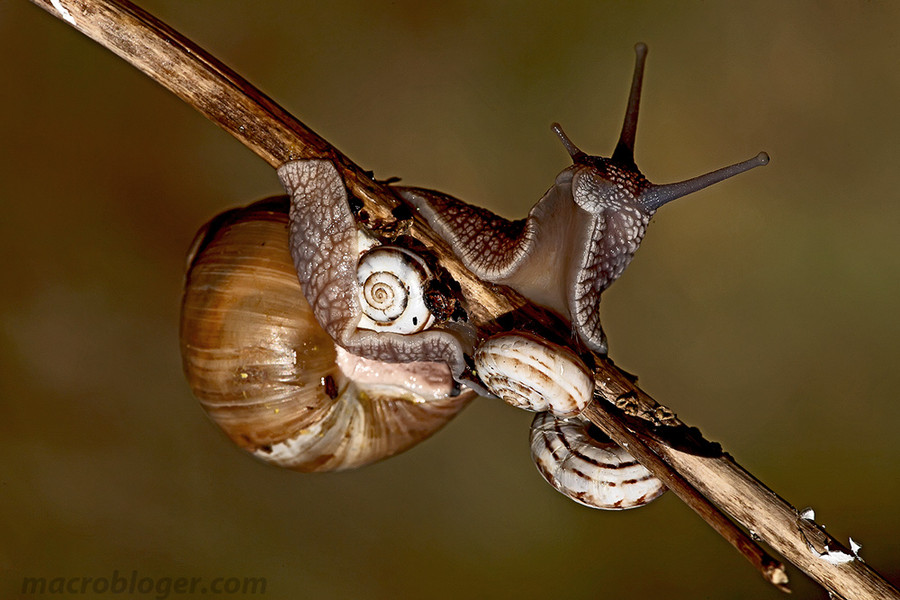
(273, 379)
(596, 472)
(531, 373)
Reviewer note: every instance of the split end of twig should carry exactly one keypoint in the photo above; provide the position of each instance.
(775, 573)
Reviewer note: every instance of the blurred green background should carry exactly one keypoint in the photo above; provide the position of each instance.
(763, 310)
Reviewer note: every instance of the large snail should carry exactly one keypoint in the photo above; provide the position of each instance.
(574, 243)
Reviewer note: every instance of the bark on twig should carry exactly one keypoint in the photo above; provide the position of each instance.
(698, 471)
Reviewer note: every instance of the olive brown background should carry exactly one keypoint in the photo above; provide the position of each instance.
(763, 310)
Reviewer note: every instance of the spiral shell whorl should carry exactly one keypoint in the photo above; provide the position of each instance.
(598, 474)
(392, 282)
(385, 296)
(534, 374)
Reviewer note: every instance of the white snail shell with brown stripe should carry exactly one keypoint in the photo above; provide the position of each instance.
(531, 373)
(593, 471)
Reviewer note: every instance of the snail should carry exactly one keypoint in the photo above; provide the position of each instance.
(579, 237)
(534, 374)
(271, 377)
(573, 244)
(326, 245)
(589, 468)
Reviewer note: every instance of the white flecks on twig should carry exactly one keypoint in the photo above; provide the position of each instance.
(834, 557)
(63, 12)
(855, 547)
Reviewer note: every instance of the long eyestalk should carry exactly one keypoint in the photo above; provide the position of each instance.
(657, 195)
(624, 152)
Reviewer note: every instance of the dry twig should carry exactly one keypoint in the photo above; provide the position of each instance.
(698, 471)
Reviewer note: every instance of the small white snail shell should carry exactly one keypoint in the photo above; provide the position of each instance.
(273, 379)
(591, 472)
(392, 286)
(531, 373)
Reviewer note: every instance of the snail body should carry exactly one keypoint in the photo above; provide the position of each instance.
(575, 242)
(273, 379)
(578, 239)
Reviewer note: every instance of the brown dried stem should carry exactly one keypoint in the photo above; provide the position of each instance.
(698, 471)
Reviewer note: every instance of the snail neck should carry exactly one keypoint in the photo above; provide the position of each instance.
(557, 230)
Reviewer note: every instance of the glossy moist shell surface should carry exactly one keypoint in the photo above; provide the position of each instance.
(265, 370)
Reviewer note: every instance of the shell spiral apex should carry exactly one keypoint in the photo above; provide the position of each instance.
(392, 290)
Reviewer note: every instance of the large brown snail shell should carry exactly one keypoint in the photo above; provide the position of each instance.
(272, 378)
